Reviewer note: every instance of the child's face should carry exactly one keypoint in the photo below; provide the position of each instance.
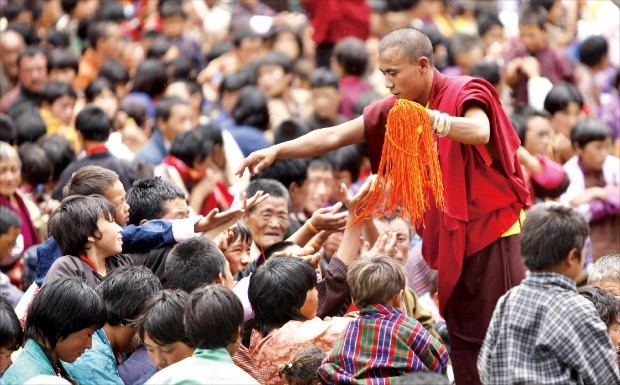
(10, 176)
(65, 75)
(495, 34)
(73, 346)
(7, 242)
(62, 108)
(537, 135)
(5, 358)
(593, 154)
(172, 27)
(533, 38)
(116, 195)
(286, 43)
(238, 256)
(326, 101)
(564, 121)
(273, 81)
(165, 355)
(110, 240)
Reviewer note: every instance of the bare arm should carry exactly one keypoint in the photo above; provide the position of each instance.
(474, 128)
(312, 144)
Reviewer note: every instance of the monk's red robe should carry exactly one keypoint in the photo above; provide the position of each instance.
(484, 194)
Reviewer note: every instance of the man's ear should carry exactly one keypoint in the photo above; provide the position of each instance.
(219, 279)
(397, 299)
(573, 257)
(425, 64)
(143, 221)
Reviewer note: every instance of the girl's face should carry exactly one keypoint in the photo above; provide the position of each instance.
(10, 176)
(110, 240)
(5, 358)
(166, 355)
(238, 256)
(70, 348)
(593, 154)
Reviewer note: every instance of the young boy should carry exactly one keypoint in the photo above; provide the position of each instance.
(594, 188)
(10, 229)
(11, 334)
(382, 343)
(57, 111)
(237, 251)
(538, 326)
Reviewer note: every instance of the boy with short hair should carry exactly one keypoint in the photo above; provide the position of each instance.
(538, 326)
(57, 111)
(11, 334)
(382, 343)
(10, 229)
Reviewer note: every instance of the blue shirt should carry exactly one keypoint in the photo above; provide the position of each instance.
(97, 365)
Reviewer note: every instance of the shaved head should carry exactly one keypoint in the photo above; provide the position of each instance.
(413, 43)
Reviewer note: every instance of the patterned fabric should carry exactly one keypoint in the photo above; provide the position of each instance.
(382, 343)
(244, 360)
(279, 345)
(543, 332)
(419, 273)
(334, 298)
(31, 362)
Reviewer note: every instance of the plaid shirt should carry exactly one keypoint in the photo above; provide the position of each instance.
(334, 298)
(382, 343)
(543, 332)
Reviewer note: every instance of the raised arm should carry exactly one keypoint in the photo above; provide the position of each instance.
(312, 144)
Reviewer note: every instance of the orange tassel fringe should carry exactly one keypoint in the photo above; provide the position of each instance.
(409, 170)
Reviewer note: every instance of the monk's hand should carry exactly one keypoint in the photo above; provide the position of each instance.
(329, 219)
(386, 244)
(257, 161)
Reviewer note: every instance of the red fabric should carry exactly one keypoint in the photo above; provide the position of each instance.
(333, 20)
(29, 231)
(483, 198)
(98, 149)
(88, 262)
(220, 198)
(188, 174)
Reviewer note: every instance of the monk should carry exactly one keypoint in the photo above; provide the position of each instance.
(473, 241)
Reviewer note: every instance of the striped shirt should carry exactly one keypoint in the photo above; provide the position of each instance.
(381, 344)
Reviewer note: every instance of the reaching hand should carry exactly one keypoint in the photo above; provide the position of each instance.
(328, 218)
(351, 201)
(242, 202)
(217, 220)
(386, 244)
(257, 161)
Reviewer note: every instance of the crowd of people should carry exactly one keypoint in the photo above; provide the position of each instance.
(182, 184)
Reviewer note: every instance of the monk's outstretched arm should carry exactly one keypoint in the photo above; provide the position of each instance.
(473, 128)
(312, 144)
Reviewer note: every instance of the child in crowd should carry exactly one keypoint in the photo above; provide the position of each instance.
(11, 334)
(57, 111)
(608, 308)
(124, 293)
(10, 228)
(382, 343)
(326, 99)
(350, 62)
(89, 239)
(594, 188)
(237, 250)
(564, 103)
(605, 273)
(303, 366)
(213, 320)
(539, 325)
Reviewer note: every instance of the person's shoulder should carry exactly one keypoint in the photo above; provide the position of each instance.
(30, 363)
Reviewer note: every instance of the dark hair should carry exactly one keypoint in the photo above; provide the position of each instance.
(134, 110)
(191, 147)
(348, 159)
(320, 164)
(171, 9)
(278, 291)
(114, 71)
(242, 233)
(90, 180)
(322, 77)
(151, 78)
(158, 49)
(8, 219)
(164, 107)
(268, 186)
(289, 129)
(76, 220)
(194, 262)
(303, 366)
(12, 10)
(285, 171)
(237, 80)
(93, 123)
(589, 130)
(59, 152)
(607, 306)
(560, 96)
(30, 126)
(58, 39)
(413, 43)
(485, 22)
(53, 91)
(240, 35)
(549, 233)
(11, 333)
(162, 318)
(280, 29)
(110, 11)
(212, 316)
(96, 31)
(277, 248)
(487, 70)
(8, 132)
(27, 31)
(276, 59)
(124, 292)
(30, 51)
(520, 119)
(147, 196)
(181, 70)
(62, 59)
(351, 55)
(251, 108)
(212, 132)
(533, 15)
(593, 50)
(462, 43)
(545, 4)
(63, 307)
(68, 6)
(96, 87)
(36, 167)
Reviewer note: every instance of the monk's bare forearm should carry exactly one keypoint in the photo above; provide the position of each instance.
(473, 128)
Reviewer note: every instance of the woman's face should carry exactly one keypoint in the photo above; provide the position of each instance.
(10, 176)
(166, 355)
(309, 308)
(73, 346)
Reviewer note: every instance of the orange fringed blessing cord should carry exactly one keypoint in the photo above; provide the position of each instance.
(409, 170)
